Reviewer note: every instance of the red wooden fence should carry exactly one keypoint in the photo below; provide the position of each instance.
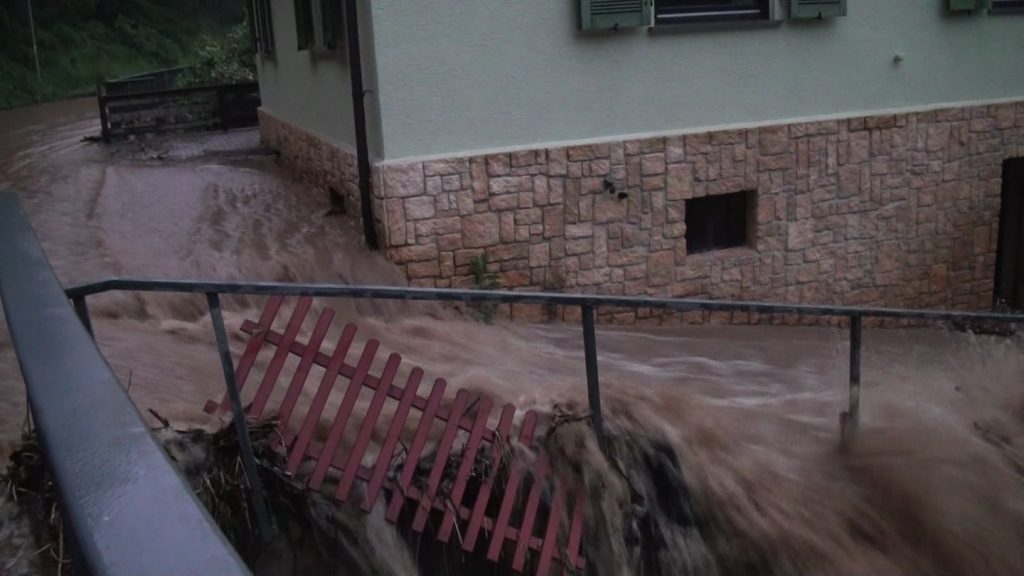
(464, 415)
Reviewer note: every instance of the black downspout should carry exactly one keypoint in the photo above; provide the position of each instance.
(355, 66)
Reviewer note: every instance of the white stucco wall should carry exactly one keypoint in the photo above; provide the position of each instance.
(311, 90)
(459, 76)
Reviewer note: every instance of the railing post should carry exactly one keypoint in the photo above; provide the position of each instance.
(259, 503)
(104, 121)
(851, 418)
(82, 310)
(593, 385)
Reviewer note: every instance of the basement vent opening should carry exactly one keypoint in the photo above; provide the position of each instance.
(716, 222)
(337, 202)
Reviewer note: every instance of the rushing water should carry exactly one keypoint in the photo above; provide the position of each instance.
(934, 483)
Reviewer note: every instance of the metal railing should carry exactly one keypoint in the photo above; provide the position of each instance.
(585, 302)
(125, 508)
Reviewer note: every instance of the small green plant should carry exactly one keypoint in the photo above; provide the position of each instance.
(484, 280)
(554, 281)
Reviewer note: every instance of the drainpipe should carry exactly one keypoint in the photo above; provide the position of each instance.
(355, 66)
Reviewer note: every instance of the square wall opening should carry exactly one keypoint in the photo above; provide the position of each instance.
(721, 221)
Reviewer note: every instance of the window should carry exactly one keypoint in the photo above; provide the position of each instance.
(319, 24)
(684, 11)
(304, 23)
(723, 221)
(261, 27)
(1008, 6)
(332, 24)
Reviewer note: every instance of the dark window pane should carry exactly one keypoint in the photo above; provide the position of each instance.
(331, 21)
(682, 11)
(716, 222)
(1015, 6)
(304, 23)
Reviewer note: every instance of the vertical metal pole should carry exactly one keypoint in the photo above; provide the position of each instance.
(82, 310)
(259, 504)
(35, 49)
(104, 122)
(853, 415)
(593, 385)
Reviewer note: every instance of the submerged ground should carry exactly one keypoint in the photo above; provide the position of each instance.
(934, 484)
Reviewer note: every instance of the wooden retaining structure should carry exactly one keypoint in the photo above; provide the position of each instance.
(220, 107)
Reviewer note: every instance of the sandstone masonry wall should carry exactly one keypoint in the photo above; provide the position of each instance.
(313, 159)
(893, 210)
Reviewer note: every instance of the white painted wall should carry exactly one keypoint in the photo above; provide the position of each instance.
(311, 90)
(468, 75)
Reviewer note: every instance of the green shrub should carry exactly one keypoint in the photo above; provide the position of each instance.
(225, 60)
(83, 42)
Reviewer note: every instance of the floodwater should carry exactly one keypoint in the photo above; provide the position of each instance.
(934, 483)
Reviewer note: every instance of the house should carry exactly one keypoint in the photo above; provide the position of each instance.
(819, 151)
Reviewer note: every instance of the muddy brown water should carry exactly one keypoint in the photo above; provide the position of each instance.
(933, 485)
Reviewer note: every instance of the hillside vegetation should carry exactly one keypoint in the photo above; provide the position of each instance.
(84, 41)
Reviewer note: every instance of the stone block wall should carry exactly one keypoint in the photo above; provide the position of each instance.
(893, 210)
(314, 160)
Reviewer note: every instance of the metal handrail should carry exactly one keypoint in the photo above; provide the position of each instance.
(586, 302)
(510, 297)
(125, 507)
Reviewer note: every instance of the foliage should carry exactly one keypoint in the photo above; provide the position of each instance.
(221, 60)
(484, 280)
(82, 42)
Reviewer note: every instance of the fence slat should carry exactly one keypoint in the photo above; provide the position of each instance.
(468, 460)
(412, 458)
(320, 400)
(498, 447)
(251, 350)
(511, 488)
(369, 423)
(444, 448)
(572, 548)
(391, 440)
(280, 355)
(344, 411)
(302, 371)
(540, 472)
(550, 538)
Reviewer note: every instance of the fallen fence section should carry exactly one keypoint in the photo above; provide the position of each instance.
(317, 457)
(219, 107)
(123, 503)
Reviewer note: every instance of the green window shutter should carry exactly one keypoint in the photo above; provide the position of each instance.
(614, 14)
(818, 8)
(303, 23)
(968, 5)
